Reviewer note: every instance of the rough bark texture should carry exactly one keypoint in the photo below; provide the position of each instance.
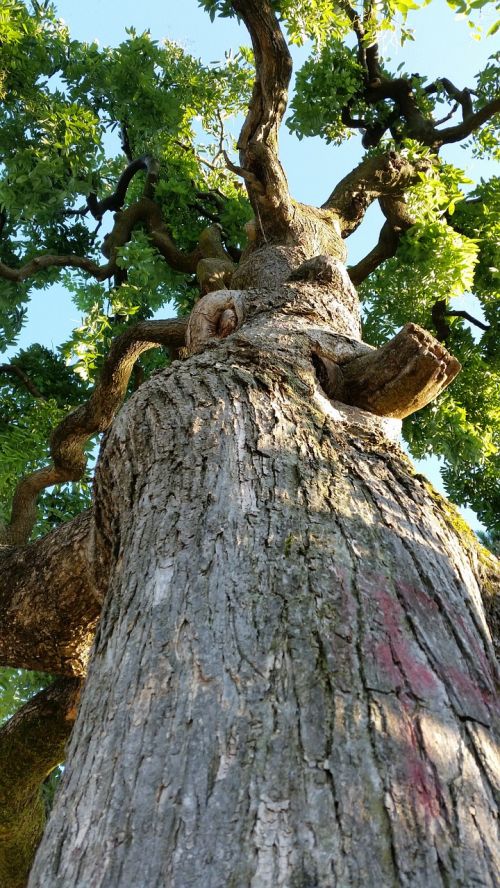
(54, 634)
(293, 683)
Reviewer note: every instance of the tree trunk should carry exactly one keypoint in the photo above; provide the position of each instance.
(293, 682)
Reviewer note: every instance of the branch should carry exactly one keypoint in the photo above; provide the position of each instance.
(32, 744)
(144, 211)
(49, 601)
(375, 177)
(398, 221)
(12, 370)
(395, 380)
(258, 142)
(469, 125)
(116, 200)
(70, 436)
(468, 317)
(48, 260)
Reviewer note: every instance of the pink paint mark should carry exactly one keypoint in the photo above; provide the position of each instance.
(397, 656)
(423, 787)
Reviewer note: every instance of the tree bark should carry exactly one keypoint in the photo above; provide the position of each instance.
(292, 683)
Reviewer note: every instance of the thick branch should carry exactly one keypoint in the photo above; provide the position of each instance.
(49, 603)
(258, 142)
(375, 177)
(70, 436)
(32, 744)
(402, 376)
(395, 380)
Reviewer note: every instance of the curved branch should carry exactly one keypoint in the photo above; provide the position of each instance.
(12, 370)
(383, 176)
(116, 200)
(48, 260)
(398, 220)
(70, 436)
(384, 249)
(144, 211)
(32, 744)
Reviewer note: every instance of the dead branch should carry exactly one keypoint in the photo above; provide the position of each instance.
(32, 744)
(70, 436)
(401, 377)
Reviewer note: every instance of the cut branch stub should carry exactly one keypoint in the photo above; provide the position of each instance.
(215, 316)
(395, 380)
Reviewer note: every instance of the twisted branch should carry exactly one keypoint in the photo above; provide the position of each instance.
(116, 200)
(68, 439)
(385, 176)
(258, 141)
(398, 220)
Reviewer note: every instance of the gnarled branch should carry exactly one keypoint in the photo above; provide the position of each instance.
(70, 436)
(258, 141)
(375, 177)
(116, 200)
(395, 380)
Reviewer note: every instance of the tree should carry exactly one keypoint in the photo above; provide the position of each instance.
(292, 681)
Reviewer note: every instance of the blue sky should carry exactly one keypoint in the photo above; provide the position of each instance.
(444, 46)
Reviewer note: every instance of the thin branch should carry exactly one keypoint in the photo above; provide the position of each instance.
(12, 370)
(70, 436)
(468, 317)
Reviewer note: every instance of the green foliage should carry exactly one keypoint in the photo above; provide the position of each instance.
(438, 262)
(324, 85)
(17, 686)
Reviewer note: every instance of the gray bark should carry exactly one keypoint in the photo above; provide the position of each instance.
(292, 683)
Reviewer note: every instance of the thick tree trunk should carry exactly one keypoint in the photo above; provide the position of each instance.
(292, 683)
